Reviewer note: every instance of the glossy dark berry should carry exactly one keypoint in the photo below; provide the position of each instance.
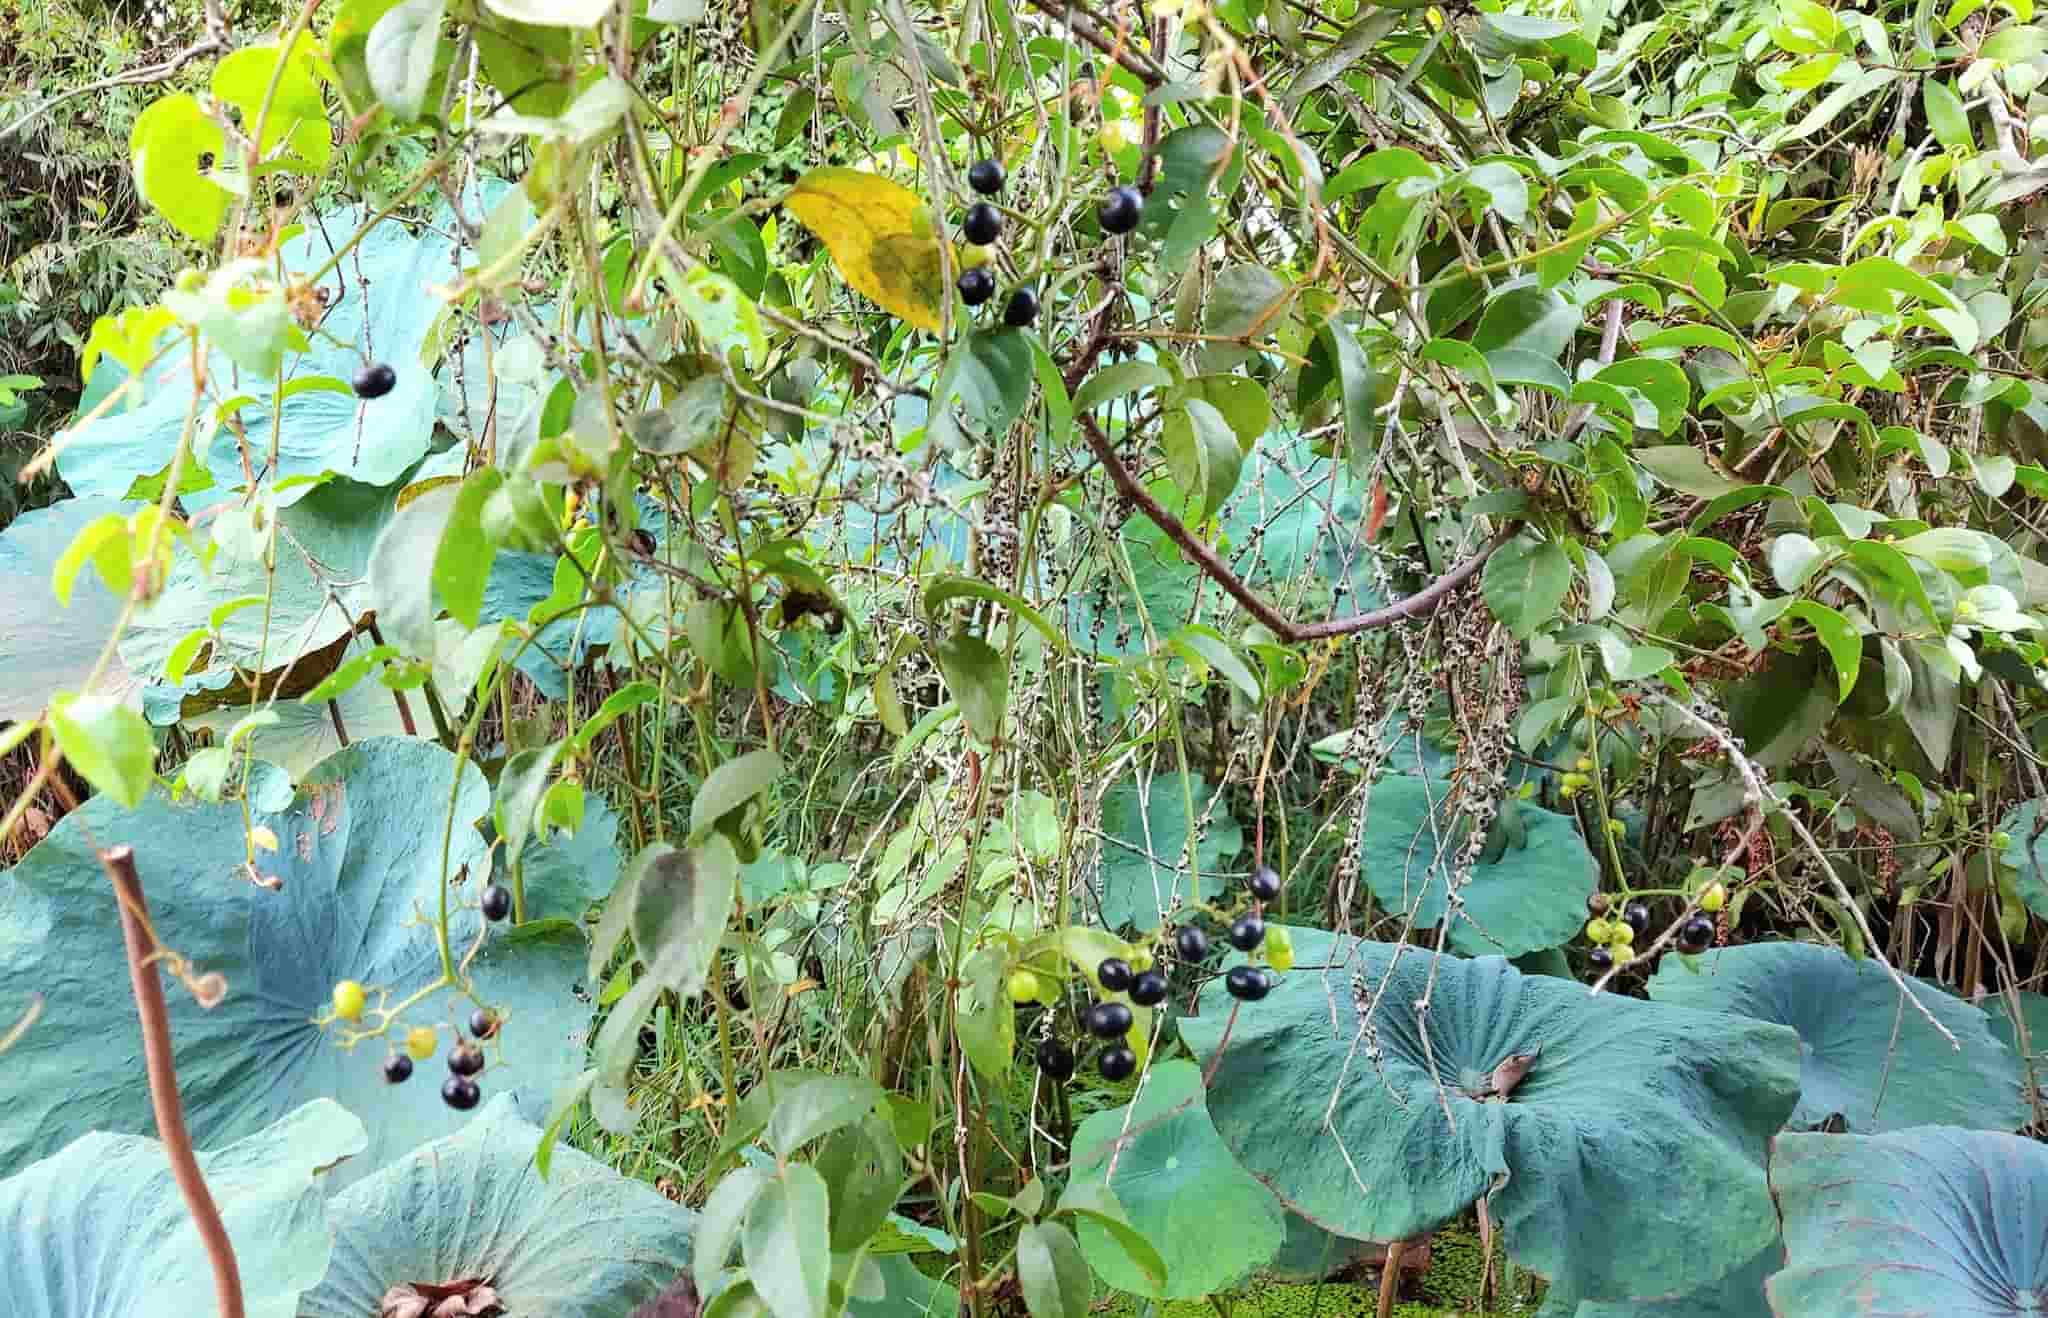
(976, 286)
(981, 224)
(1022, 308)
(1264, 883)
(1055, 1059)
(465, 1059)
(1637, 916)
(460, 1092)
(1114, 974)
(374, 380)
(1149, 989)
(1191, 943)
(482, 1023)
(985, 177)
(397, 1069)
(1107, 1020)
(1247, 983)
(1119, 211)
(1247, 932)
(1695, 935)
(1600, 959)
(497, 902)
(1117, 1063)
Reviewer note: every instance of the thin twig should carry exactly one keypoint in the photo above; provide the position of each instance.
(119, 863)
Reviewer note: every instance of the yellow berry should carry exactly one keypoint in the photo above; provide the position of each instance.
(1023, 987)
(1141, 960)
(1620, 931)
(421, 1041)
(348, 1000)
(1713, 897)
(1585, 764)
(1598, 930)
(1279, 948)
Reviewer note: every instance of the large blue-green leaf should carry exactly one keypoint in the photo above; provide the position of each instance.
(100, 1230)
(1930, 1220)
(2028, 856)
(2034, 1014)
(1527, 891)
(1740, 1294)
(359, 854)
(1626, 1162)
(1180, 1188)
(1144, 848)
(583, 1242)
(1865, 1052)
(381, 310)
(46, 647)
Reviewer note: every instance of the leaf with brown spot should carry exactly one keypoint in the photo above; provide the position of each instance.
(881, 238)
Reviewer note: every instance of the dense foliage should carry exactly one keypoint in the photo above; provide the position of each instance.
(1023, 648)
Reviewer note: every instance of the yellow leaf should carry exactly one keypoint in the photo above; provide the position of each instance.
(880, 237)
(262, 837)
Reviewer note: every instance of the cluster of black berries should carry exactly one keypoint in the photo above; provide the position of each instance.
(465, 1061)
(983, 224)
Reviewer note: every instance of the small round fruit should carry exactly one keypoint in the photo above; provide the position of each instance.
(1620, 933)
(1247, 983)
(976, 286)
(1637, 916)
(1279, 948)
(460, 1092)
(1118, 1063)
(1148, 989)
(1713, 897)
(421, 1041)
(1120, 210)
(1055, 1059)
(1695, 935)
(982, 223)
(374, 380)
(1022, 308)
(483, 1023)
(1191, 943)
(1107, 1020)
(1601, 960)
(1023, 987)
(189, 280)
(1247, 932)
(1114, 974)
(2001, 840)
(397, 1069)
(985, 177)
(1599, 931)
(1264, 883)
(1141, 960)
(348, 1000)
(465, 1059)
(1597, 904)
(497, 902)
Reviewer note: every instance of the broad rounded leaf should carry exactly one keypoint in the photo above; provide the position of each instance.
(2027, 855)
(359, 854)
(1180, 1188)
(880, 237)
(1931, 1220)
(1527, 891)
(101, 1230)
(1144, 846)
(165, 147)
(1524, 583)
(1626, 1161)
(581, 1242)
(45, 648)
(1865, 1053)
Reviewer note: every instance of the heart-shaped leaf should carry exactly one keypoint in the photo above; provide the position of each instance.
(45, 648)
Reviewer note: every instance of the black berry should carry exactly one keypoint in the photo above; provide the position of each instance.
(1264, 883)
(1055, 1059)
(497, 902)
(1191, 943)
(1107, 1020)
(1022, 308)
(1149, 989)
(465, 1059)
(1695, 935)
(985, 177)
(1247, 983)
(460, 1092)
(976, 286)
(1600, 959)
(374, 380)
(1114, 974)
(1247, 932)
(483, 1024)
(1636, 915)
(397, 1069)
(982, 223)
(1117, 1063)
(1119, 211)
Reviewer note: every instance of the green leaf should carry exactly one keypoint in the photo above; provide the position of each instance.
(1145, 827)
(1527, 319)
(1052, 1272)
(1524, 583)
(1945, 114)
(165, 147)
(819, 1105)
(555, 13)
(1247, 302)
(106, 742)
(730, 786)
(399, 56)
(247, 78)
(1661, 381)
(1356, 385)
(1202, 454)
(986, 1021)
(1117, 379)
(863, 1169)
(462, 561)
(726, 319)
(1694, 1095)
(1844, 643)
(978, 679)
(1242, 401)
(1212, 1223)
(1559, 264)
(1094, 1208)
(723, 1218)
(681, 902)
(941, 590)
(1206, 645)
(787, 1242)
(1685, 469)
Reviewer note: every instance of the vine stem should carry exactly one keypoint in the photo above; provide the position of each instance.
(119, 863)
